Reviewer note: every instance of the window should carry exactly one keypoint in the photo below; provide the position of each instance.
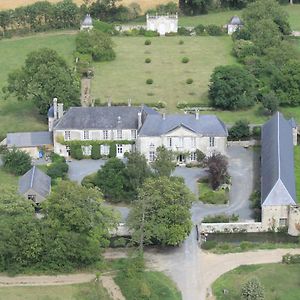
(193, 141)
(31, 197)
(211, 141)
(67, 135)
(151, 156)
(119, 134)
(152, 146)
(86, 150)
(104, 149)
(105, 134)
(169, 142)
(133, 134)
(282, 222)
(86, 135)
(68, 150)
(119, 149)
(193, 156)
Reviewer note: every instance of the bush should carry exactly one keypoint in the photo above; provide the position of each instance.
(209, 245)
(149, 81)
(104, 27)
(16, 161)
(181, 42)
(89, 181)
(291, 259)
(243, 49)
(240, 130)
(252, 290)
(150, 33)
(147, 42)
(57, 158)
(189, 81)
(183, 31)
(58, 169)
(181, 104)
(185, 60)
(200, 29)
(214, 30)
(76, 152)
(222, 218)
(256, 132)
(95, 154)
(148, 60)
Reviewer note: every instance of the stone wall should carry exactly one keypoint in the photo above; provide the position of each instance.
(247, 143)
(294, 221)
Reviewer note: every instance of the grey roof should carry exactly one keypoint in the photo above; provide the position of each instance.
(235, 20)
(277, 159)
(29, 139)
(37, 180)
(207, 125)
(105, 117)
(87, 21)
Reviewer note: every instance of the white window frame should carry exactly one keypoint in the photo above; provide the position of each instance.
(67, 135)
(86, 150)
(119, 149)
(211, 141)
(105, 134)
(104, 149)
(86, 135)
(283, 222)
(133, 134)
(193, 156)
(151, 156)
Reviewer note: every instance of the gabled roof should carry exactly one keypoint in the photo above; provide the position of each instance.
(235, 20)
(277, 163)
(87, 21)
(207, 125)
(103, 117)
(37, 180)
(29, 139)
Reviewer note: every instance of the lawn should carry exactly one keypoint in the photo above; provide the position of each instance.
(125, 78)
(207, 195)
(280, 281)
(59, 292)
(22, 116)
(7, 179)
(297, 171)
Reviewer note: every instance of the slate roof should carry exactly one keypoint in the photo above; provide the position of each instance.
(277, 163)
(207, 125)
(87, 21)
(29, 139)
(37, 180)
(105, 117)
(235, 20)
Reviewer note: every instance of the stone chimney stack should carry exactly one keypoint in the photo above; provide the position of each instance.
(197, 115)
(164, 116)
(55, 108)
(140, 123)
(60, 110)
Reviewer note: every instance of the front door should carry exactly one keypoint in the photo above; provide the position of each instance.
(181, 158)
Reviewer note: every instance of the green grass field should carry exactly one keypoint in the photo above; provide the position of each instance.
(280, 281)
(297, 171)
(126, 76)
(22, 116)
(59, 292)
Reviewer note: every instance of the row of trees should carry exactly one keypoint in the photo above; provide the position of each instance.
(270, 66)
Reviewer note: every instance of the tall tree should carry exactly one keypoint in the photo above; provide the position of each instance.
(45, 75)
(161, 215)
(164, 164)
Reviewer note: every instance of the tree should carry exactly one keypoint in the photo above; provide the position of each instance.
(161, 214)
(253, 290)
(232, 87)
(164, 164)
(95, 43)
(16, 161)
(239, 130)
(270, 102)
(194, 7)
(217, 169)
(45, 75)
(110, 179)
(76, 227)
(135, 173)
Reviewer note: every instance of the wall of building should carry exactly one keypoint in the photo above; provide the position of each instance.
(294, 220)
(38, 198)
(274, 215)
(162, 24)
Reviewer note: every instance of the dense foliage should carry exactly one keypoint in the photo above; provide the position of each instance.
(252, 290)
(161, 214)
(239, 130)
(164, 164)
(16, 161)
(45, 75)
(58, 168)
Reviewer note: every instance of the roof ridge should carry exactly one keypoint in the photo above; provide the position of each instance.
(32, 176)
(278, 147)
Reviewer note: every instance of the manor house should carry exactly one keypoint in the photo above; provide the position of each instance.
(162, 23)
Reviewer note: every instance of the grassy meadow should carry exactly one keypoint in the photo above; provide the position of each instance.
(280, 281)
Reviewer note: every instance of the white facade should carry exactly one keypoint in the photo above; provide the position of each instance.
(162, 24)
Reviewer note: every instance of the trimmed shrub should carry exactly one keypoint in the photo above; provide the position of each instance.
(189, 81)
(200, 29)
(148, 60)
(95, 153)
(181, 42)
(240, 130)
(149, 81)
(147, 42)
(181, 104)
(76, 152)
(89, 181)
(58, 170)
(185, 60)
(214, 30)
(161, 104)
(291, 259)
(183, 31)
(150, 33)
(209, 245)
(222, 218)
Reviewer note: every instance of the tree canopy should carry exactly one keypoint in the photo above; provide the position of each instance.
(161, 214)
(44, 76)
(164, 164)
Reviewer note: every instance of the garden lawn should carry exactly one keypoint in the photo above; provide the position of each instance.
(207, 195)
(59, 292)
(280, 281)
(297, 171)
(22, 116)
(125, 77)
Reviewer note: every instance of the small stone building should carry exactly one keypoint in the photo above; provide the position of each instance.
(162, 23)
(87, 23)
(234, 24)
(35, 185)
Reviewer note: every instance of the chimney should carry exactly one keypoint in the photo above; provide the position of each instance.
(139, 120)
(197, 114)
(119, 120)
(164, 116)
(109, 102)
(129, 102)
(60, 110)
(55, 108)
